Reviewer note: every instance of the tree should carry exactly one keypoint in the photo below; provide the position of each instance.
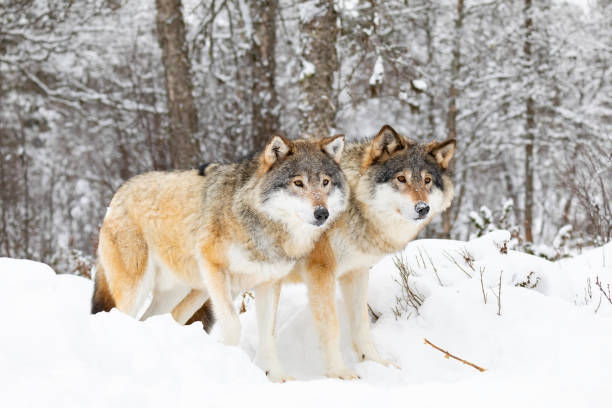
(453, 91)
(318, 33)
(265, 109)
(529, 126)
(184, 146)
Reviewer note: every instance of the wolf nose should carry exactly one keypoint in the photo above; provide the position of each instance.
(421, 208)
(321, 215)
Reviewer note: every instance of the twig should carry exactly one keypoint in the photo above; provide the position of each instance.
(484, 294)
(422, 258)
(449, 355)
(608, 295)
(435, 270)
(375, 316)
(599, 304)
(450, 258)
(243, 305)
(499, 295)
(467, 257)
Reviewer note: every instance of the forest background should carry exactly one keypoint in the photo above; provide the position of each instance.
(93, 92)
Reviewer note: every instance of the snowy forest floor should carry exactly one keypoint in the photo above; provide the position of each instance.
(551, 345)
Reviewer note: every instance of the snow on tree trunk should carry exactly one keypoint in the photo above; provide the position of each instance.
(318, 33)
(184, 147)
(265, 107)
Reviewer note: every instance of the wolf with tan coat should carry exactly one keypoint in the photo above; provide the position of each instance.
(397, 187)
(187, 237)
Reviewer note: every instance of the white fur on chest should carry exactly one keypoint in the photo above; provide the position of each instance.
(349, 257)
(247, 273)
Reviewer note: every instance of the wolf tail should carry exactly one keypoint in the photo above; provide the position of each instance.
(102, 299)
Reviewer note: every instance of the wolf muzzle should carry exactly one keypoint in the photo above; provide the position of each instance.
(422, 209)
(321, 215)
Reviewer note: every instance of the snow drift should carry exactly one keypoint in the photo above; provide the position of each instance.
(547, 342)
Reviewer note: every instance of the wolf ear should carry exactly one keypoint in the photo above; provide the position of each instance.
(386, 142)
(333, 146)
(277, 149)
(443, 152)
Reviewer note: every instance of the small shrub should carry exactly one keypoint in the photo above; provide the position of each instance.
(410, 299)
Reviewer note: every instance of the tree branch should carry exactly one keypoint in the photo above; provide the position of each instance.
(449, 355)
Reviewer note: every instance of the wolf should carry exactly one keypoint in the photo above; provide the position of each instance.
(397, 186)
(192, 236)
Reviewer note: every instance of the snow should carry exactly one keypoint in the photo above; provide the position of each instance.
(378, 74)
(308, 10)
(549, 347)
(308, 69)
(419, 84)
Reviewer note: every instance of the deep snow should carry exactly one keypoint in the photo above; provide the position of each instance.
(551, 346)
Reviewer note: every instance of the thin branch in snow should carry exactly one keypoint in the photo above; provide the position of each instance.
(449, 355)
(608, 294)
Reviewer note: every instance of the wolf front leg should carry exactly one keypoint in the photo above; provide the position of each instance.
(218, 286)
(321, 282)
(266, 304)
(354, 286)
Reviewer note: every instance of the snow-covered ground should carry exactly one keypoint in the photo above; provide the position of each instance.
(551, 346)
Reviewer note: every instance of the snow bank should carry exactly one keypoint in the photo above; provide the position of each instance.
(549, 347)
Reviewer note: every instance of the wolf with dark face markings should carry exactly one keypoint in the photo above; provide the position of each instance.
(397, 187)
(190, 236)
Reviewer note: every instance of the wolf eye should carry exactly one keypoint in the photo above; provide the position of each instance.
(427, 180)
(401, 179)
(325, 182)
(298, 183)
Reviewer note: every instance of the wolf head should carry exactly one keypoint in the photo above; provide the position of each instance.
(404, 180)
(302, 184)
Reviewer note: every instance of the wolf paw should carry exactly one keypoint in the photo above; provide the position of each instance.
(278, 377)
(388, 363)
(343, 374)
(381, 361)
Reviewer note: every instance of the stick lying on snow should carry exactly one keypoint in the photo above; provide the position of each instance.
(447, 355)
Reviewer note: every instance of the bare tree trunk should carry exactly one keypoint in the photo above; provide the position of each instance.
(429, 35)
(452, 104)
(319, 63)
(455, 67)
(529, 128)
(511, 191)
(184, 147)
(4, 191)
(263, 46)
(26, 192)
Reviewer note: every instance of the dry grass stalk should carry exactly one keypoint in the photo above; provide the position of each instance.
(484, 293)
(452, 259)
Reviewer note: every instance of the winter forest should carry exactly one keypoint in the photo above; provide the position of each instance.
(96, 91)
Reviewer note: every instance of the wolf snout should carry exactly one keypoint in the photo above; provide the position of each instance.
(422, 209)
(321, 215)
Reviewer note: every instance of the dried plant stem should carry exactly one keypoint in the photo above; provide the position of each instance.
(484, 294)
(450, 258)
(375, 316)
(607, 295)
(449, 355)
(434, 268)
(499, 294)
(421, 250)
